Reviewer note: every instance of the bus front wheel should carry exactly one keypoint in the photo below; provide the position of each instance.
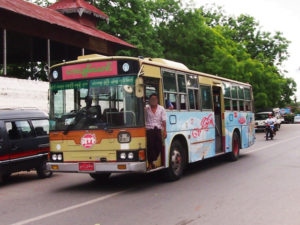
(177, 161)
(235, 153)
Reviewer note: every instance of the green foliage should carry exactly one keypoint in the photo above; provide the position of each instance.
(204, 39)
(32, 71)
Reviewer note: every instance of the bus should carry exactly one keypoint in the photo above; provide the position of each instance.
(97, 106)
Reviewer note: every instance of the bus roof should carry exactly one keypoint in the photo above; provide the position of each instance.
(150, 61)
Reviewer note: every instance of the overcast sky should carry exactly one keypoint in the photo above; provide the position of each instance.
(273, 15)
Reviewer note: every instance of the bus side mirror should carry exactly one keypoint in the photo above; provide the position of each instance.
(139, 87)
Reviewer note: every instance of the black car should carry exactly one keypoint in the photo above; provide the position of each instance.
(24, 142)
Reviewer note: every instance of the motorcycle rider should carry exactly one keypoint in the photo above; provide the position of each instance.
(271, 122)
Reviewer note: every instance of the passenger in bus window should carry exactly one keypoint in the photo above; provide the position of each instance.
(155, 124)
(169, 104)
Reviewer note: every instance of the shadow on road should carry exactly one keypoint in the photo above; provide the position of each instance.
(141, 182)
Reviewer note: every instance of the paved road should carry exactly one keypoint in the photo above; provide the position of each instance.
(263, 187)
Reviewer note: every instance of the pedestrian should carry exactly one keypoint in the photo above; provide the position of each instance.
(155, 125)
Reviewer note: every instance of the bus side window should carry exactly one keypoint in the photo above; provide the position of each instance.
(170, 101)
(234, 95)
(227, 103)
(206, 100)
(193, 99)
(247, 99)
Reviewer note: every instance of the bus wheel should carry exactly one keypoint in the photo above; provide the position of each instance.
(100, 177)
(42, 170)
(235, 153)
(176, 161)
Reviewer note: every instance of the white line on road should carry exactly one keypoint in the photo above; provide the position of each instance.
(34, 219)
(271, 145)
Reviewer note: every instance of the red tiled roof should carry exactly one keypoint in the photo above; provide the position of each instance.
(77, 4)
(53, 17)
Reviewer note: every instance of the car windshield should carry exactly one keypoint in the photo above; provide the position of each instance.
(95, 104)
(261, 116)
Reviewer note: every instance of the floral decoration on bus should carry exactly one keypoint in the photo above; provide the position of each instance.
(88, 140)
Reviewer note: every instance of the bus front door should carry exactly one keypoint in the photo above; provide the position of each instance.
(218, 119)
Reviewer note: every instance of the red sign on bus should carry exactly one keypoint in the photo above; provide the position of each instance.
(89, 70)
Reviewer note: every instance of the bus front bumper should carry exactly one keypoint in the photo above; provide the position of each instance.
(98, 167)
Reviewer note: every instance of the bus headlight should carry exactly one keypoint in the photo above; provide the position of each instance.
(130, 155)
(59, 157)
(123, 155)
(124, 137)
(54, 157)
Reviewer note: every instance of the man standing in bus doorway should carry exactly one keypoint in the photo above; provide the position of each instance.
(155, 123)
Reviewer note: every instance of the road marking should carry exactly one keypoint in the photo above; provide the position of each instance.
(270, 145)
(34, 219)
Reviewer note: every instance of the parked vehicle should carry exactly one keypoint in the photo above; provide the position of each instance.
(297, 119)
(260, 118)
(24, 142)
(260, 121)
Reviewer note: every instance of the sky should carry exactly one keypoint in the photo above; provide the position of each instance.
(272, 15)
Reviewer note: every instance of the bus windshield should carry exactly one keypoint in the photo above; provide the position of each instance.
(95, 104)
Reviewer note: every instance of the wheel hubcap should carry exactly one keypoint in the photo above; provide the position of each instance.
(176, 161)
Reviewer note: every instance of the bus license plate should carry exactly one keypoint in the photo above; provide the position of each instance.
(86, 167)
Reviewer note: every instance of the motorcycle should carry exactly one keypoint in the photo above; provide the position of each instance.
(269, 131)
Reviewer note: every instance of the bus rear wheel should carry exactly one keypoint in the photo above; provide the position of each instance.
(177, 162)
(235, 153)
(100, 177)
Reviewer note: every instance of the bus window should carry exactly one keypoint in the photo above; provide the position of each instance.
(182, 102)
(247, 94)
(206, 97)
(193, 99)
(192, 81)
(226, 90)
(227, 103)
(241, 103)
(247, 105)
(234, 105)
(170, 101)
(181, 83)
(169, 82)
(234, 92)
(241, 92)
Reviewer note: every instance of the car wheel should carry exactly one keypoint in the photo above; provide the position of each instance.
(42, 171)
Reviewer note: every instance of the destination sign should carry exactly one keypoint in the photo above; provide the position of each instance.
(89, 70)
